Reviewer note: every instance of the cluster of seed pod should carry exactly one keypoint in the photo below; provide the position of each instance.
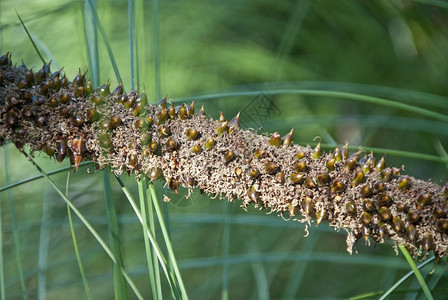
(356, 192)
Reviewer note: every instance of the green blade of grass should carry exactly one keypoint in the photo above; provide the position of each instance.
(114, 238)
(169, 275)
(156, 46)
(2, 271)
(43, 247)
(91, 34)
(31, 39)
(416, 271)
(106, 41)
(329, 94)
(155, 286)
(88, 226)
(15, 232)
(167, 242)
(131, 40)
(226, 243)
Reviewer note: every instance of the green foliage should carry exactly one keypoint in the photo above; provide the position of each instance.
(223, 54)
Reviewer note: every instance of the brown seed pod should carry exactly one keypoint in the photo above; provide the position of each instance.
(275, 140)
(196, 149)
(280, 177)
(221, 128)
(381, 164)
(309, 183)
(229, 156)
(397, 224)
(170, 144)
(234, 123)
(428, 243)
(192, 134)
(368, 205)
(438, 212)
(182, 113)
(253, 194)
(385, 200)
(404, 183)
(411, 234)
(386, 174)
(155, 173)
(366, 218)
(92, 115)
(254, 173)
(202, 111)
(154, 147)
(384, 213)
(77, 120)
(321, 215)
(423, 200)
(322, 179)
(63, 111)
(300, 155)
(190, 109)
(61, 150)
(350, 207)
(308, 206)
(162, 116)
(287, 139)
(104, 89)
(221, 117)
(118, 91)
(442, 225)
(366, 191)
(300, 166)
(330, 164)
(337, 155)
(316, 151)
(115, 121)
(413, 216)
(337, 186)
(297, 177)
(258, 153)
(270, 168)
(358, 178)
(78, 149)
(164, 131)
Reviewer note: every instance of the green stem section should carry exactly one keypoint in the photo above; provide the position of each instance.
(75, 246)
(417, 273)
(114, 238)
(88, 225)
(151, 257)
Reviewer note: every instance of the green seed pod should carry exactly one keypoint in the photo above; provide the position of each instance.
(368, 205)
(300, 155)
(97, 100)
(259, 153)
(170, 144)
(401, 207)
(384, 213)
(321, 215)
(344, 151)
(287, 139)
(385, 200)
(104, 124)
(162, 116)
(317, 151)
(190, 109)
(352, 162)
(105, 140)
(183, 114)
(172, 111)
(118, 91)
(192, 134)
(330, 164)
(404, 183)
(154, 147)
(366, 218)
(350, 207)
(202, 111)
(154, 173)
(254, 173)
(145, 139)
(280, 177)
(80, 91)
(381, 164)
(234, 123)
(438, 212)
(140, 124)
(428, 243)
(164, 131)
(209, 143)
(442, 225)
(275, 140)
(337, 186)
(297, 177)
(221, 117)
(337, 154)
(115, 122)
(413, 216)
(253, 194)
(121, 99)
(322, 179)
(398, 224)
(162, 103)
(423, 200)
(358, 178)
(386, 174)
(138, 108)
(104, 89)
(196, 149)
(149, 120)
(411, 234)
(309, 183)
(77, 120)
(79, 79)
(366, 191)
(369, 165)
(300, 166)
(221, 128)
(270, 168)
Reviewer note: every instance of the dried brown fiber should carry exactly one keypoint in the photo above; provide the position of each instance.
(356, 193)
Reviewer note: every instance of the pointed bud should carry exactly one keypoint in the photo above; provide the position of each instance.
(287, 139)
(317, 151)
(221, 128)
(209, 143)
(275, 140)
(234, 123)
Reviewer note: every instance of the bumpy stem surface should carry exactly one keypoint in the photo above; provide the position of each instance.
(356, 193)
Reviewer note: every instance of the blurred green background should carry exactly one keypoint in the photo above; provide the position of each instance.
(225, 54)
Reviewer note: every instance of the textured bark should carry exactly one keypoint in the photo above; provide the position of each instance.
(356, 193)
